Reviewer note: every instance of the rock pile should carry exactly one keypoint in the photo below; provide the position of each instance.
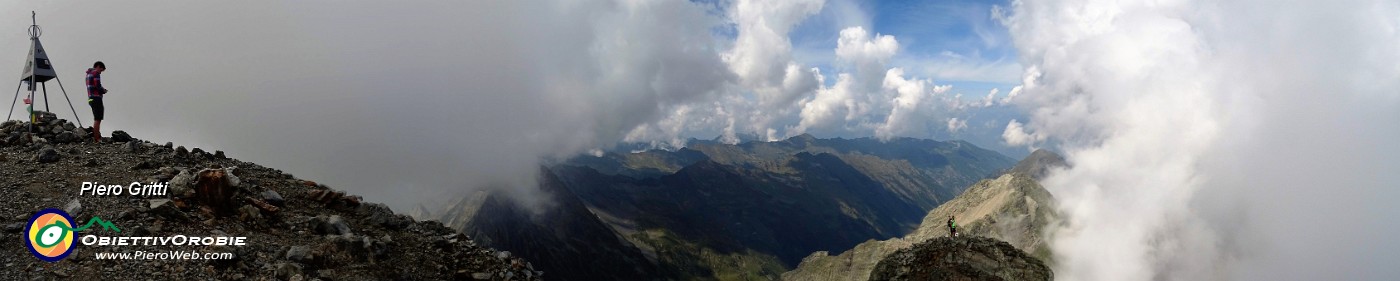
(961, 258)
(48, 130)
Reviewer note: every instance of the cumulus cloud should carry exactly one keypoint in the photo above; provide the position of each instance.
(955, 124)
(1216, 140)
(762, 52)
(865, 55)
(857, 91)
(1016, 135)
(912, 104)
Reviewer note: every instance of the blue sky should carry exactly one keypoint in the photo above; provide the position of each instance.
(953, 42)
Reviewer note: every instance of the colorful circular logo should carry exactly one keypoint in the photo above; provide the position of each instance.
(48, 235)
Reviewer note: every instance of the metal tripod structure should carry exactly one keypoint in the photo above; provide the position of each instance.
(38, 72)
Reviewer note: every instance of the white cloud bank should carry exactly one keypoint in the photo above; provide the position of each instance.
(1217, 140)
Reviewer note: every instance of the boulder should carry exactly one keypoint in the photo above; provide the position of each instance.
(65, 137)
(272, 197)
(131, 147)
(299, 254)
(73, 207)
(182, 183)
(332, 225)
(47, 155)
(120, 136)
(380, 214)
(215, 188)
(165, 208)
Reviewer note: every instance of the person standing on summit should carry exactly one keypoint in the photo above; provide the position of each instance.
(95, 92)
(952, 227)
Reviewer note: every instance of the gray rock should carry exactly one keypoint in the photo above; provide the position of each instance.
(144, 165)
(339, 225)
(47, 155)
(286, 270)
(381, 214)
(139, 231)
(132, 147)
(273, 198)
(74, 207)
(69, 126)
(249, 212)
(164, 174)
(220, 154)
(14, 227)
(164, 208)
(181, 151)
(120, 136)
(299, 254)
(332, 225)
(65, 137)
(182, 183)
(156, 203)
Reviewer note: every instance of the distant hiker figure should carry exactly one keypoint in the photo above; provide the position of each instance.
(95, 92)
(952, 227)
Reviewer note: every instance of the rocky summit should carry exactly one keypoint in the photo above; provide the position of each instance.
(961, 258)
(295, 229)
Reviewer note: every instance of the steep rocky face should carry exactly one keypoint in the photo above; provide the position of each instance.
(1038, 164)
(296, 229)
(961, 258)
(1012, 207)
(563, 236)
(753, 210)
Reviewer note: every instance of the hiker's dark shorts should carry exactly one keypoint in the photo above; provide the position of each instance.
(97, 108)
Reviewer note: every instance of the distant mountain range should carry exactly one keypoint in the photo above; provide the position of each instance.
(715, 211)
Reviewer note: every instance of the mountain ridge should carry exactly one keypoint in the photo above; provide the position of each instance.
(715, 211)
(1012, 207)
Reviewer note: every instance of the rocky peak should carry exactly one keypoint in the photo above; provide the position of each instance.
(961, 258)
(1039, 163)
(295, 229)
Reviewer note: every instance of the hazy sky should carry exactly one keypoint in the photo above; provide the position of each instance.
(403, 102)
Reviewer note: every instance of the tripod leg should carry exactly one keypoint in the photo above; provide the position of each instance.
(12, 102)
(46, 96)
(70, 102)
